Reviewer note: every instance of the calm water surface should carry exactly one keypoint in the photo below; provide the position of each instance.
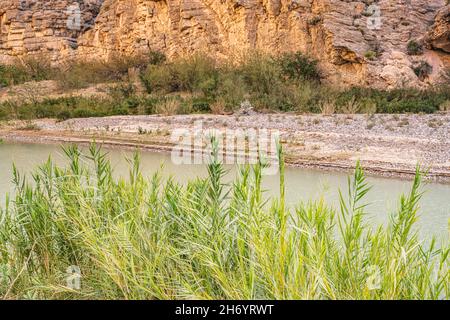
(301, 184)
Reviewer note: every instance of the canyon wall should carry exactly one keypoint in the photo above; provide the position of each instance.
(49, 27)
(356, 42)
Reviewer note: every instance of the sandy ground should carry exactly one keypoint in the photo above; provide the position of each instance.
(388, 145)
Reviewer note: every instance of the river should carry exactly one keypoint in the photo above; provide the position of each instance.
(301, 184)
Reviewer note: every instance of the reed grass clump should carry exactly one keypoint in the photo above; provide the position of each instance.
(139, 238)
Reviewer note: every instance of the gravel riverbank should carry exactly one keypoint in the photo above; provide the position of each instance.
(388, 145)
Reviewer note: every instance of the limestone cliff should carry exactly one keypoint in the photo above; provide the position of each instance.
(43, 26)
(439, 34)
(357, 42)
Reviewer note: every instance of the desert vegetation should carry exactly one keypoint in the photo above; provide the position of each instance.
(152, 84)
(149, 238)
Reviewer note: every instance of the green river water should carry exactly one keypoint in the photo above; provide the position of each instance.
(301, 184)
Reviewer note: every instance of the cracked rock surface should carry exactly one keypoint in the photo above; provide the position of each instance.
(356, 42)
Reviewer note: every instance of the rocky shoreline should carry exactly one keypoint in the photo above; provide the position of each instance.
(386, 145)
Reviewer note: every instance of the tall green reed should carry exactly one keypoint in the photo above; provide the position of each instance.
(152, 238)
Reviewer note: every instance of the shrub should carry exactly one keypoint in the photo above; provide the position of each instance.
(352, 106)
(194, 73)
(265, 83)
(37, 68)
(76, 76)
(409, 100)
(156, 57)
(414, 48)
(261, 74)
(283, 99)
(231, 88)
(149, 104)
(168, 106)
(288, 83)
(10, 75)
(131, 104)
(371, 55)
(119, 110)
(394, 101)
(63, 115)
(328, 108)
(445, 106)
(67, 107)
(315, 20)
(423, 70)
(122, 90)
(157, 78)
(208, 87)
(84, 113)
(218, 107)
(297, 66)
(368, 106)
(81, 74)
(26, 69)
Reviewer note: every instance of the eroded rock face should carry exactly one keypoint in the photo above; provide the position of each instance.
(43, 26)
(439, 35)
(356, 42)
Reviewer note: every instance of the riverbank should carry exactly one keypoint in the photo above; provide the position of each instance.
(386, 145)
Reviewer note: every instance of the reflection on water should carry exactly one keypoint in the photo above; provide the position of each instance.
(301, 184)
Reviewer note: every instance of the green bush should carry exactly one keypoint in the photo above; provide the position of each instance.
(397, 100)
(63, 115)
(84, 113)
(157, 78)
(119, 110)
(156, 57)
(11, 75)
(131, 104)
(285, 98)
(63, 108)
(423, 70)
(261, 73)
(71, 75)
(288, 83)
(298, 66)
(414, 48)
(149, 104)
(231, 88)
(371, 55)
(194, 73)
(81, 74)
(122, 90)
(265, 84)
(26, 69)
